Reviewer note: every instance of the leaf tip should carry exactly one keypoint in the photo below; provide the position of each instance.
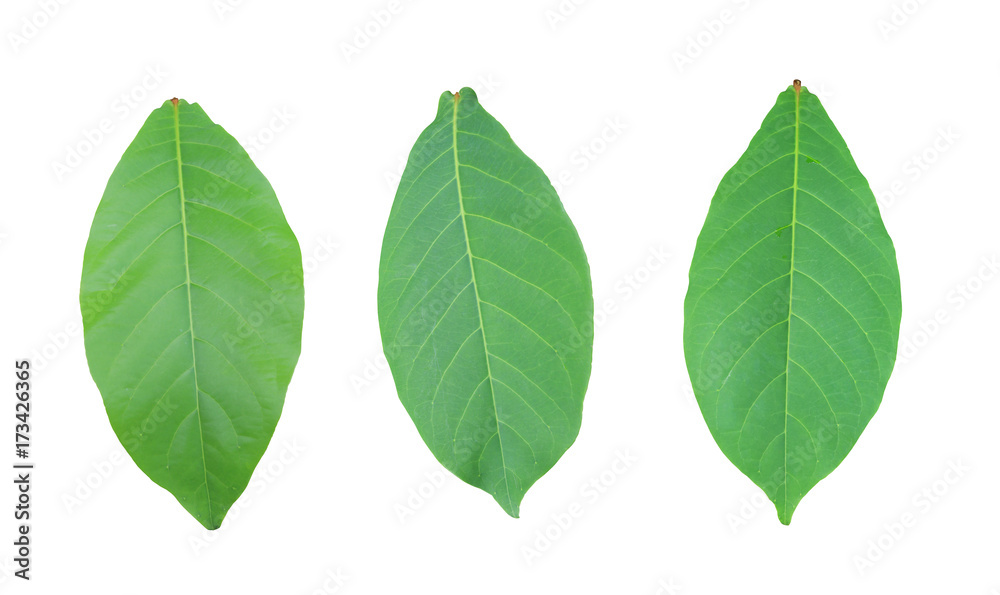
(510, 504)
(785, 513)
(211, 525)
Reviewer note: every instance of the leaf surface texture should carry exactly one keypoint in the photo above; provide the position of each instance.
(793, 308)
(485, 304)
(192, 300)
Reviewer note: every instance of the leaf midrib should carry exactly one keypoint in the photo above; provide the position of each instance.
(475, 289)
(791, 286)
(187, 281)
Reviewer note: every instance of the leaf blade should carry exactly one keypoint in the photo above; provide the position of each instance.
(790, 347)
(454, 277)
(190, 267)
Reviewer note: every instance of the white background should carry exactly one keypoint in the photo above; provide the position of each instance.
(335, 493)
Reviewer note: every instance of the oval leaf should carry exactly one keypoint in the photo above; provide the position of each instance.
(485, 304)
(792, 314)
(192, 300)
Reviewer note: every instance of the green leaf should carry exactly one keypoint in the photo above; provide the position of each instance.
(792, 314)
(485, 304)
(192, 301)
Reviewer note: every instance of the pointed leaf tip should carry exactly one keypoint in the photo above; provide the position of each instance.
(493, 379)
(787, 400)
(166, 346)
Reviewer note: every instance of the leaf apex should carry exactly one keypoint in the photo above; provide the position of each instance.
(510, 503)
(513, 511)
(785, 513)
(211, 525)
